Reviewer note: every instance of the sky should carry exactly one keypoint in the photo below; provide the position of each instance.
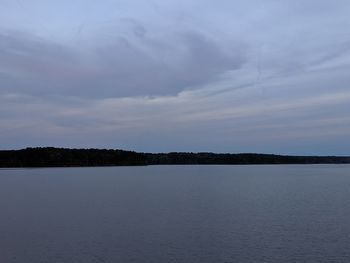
(262, 76)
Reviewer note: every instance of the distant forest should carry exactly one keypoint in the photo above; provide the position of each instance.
(62, 157)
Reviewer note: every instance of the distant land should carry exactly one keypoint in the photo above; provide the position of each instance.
(64, 157)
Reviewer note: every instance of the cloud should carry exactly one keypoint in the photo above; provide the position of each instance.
(231, 76)
(186, 119)
(120, 65)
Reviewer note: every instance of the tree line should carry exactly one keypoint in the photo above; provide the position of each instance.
(63, 157)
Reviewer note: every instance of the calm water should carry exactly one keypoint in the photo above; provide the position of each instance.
(176, 214)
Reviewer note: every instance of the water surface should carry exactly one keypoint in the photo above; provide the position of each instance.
(201, 214)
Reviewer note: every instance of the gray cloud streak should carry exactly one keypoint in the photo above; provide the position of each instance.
(121, 67)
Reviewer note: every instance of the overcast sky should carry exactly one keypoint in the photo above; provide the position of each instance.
(163, 75)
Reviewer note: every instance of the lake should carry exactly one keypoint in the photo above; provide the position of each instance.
(204, 214)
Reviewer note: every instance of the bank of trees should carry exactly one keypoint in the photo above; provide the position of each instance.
(62, 157)
(244, 158)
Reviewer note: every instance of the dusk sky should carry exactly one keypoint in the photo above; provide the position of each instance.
(261, 76)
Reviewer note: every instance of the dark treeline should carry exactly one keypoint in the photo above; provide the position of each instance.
(242, 158)
(61, 157)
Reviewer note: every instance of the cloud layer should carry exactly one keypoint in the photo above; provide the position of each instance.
(261, 76)
(123, 65)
